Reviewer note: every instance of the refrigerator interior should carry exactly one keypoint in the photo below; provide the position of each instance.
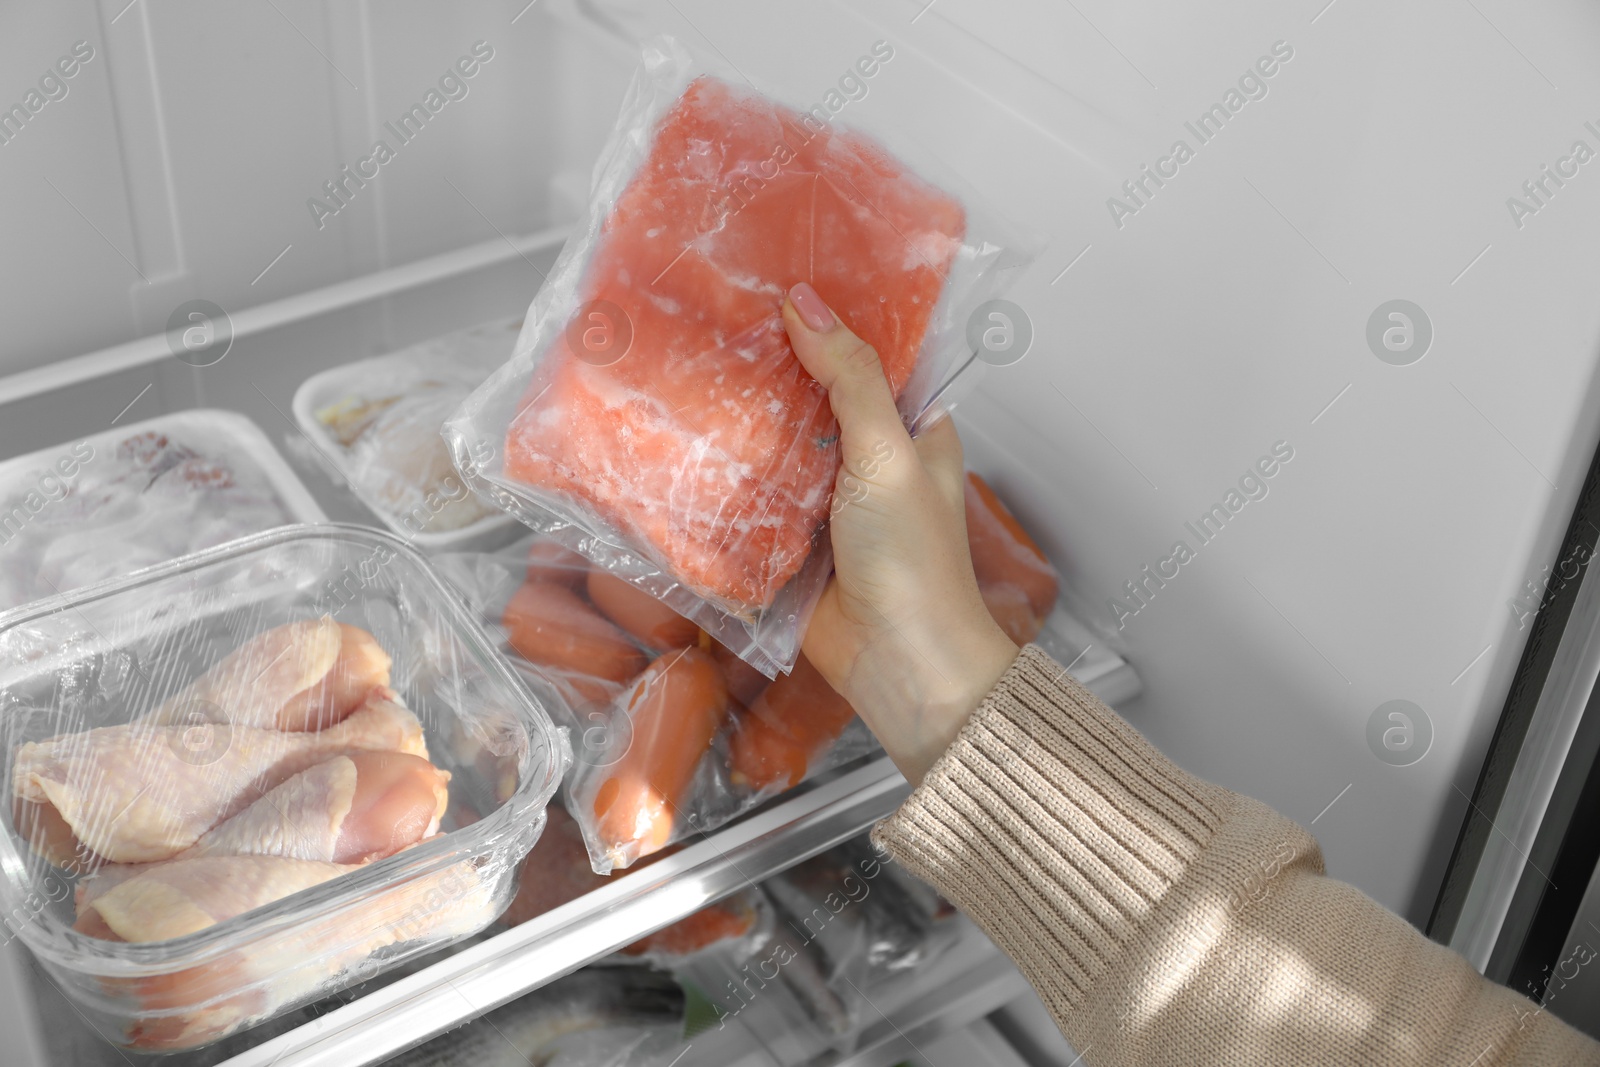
(1183, 327)
(792, 997)
(373, 1021)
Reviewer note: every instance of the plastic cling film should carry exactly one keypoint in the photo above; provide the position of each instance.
(808, 950)
(84, 511)
(653, 417)
(858, 917)
(253, 774)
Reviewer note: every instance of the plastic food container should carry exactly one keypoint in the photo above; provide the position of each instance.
(106, 655)
(79, 512)
(402, 391)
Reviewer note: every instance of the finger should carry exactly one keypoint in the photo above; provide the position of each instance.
(827, 643)
(939, 448)
(848, 368)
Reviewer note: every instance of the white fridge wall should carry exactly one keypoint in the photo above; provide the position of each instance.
(1170, 352)
(1230, 310)
(181, 160)
(1382, 562)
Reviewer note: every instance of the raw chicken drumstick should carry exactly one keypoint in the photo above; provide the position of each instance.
(300, 676)
(185, 896)
(135, 793)
(354, 808)
(204, 1002)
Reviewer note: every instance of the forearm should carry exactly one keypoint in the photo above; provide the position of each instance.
(1166, 920)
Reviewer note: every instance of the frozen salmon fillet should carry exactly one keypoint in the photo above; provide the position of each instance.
(690, 426)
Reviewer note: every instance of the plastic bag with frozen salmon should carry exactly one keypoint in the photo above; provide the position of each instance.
(653, 416)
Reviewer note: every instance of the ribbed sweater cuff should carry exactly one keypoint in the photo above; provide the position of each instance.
(1054, 826)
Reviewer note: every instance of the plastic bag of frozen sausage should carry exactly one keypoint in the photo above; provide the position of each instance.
(673, 734)
(653, 416)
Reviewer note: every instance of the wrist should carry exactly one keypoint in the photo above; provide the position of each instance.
(918, 706)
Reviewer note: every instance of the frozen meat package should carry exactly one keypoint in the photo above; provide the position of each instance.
(663, 717)
(243, 778)
(804, 953)
(377, 422)
(673, 733)
(595, 1017)
(653, 416)
(135, 495)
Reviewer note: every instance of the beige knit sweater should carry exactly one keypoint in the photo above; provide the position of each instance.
(1165, 920)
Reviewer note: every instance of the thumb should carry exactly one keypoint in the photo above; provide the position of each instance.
(939, 448)
(849, 369)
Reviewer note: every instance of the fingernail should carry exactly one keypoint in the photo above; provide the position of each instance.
(813, 311)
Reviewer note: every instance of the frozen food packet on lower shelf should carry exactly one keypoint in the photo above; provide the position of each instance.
(845, 926)
(597, 1017)
(257, 773)
(742, 961)
(853, 902)
(735, 952)
(739, 924)
(654, 417)
(703, 947)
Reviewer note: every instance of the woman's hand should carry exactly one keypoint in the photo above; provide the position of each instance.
(901, 631)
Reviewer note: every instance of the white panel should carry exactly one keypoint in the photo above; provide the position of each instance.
(146, 163)
(251, 134)
(71, 262)
(185, 152)
(480, 163)
(1227, 313)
